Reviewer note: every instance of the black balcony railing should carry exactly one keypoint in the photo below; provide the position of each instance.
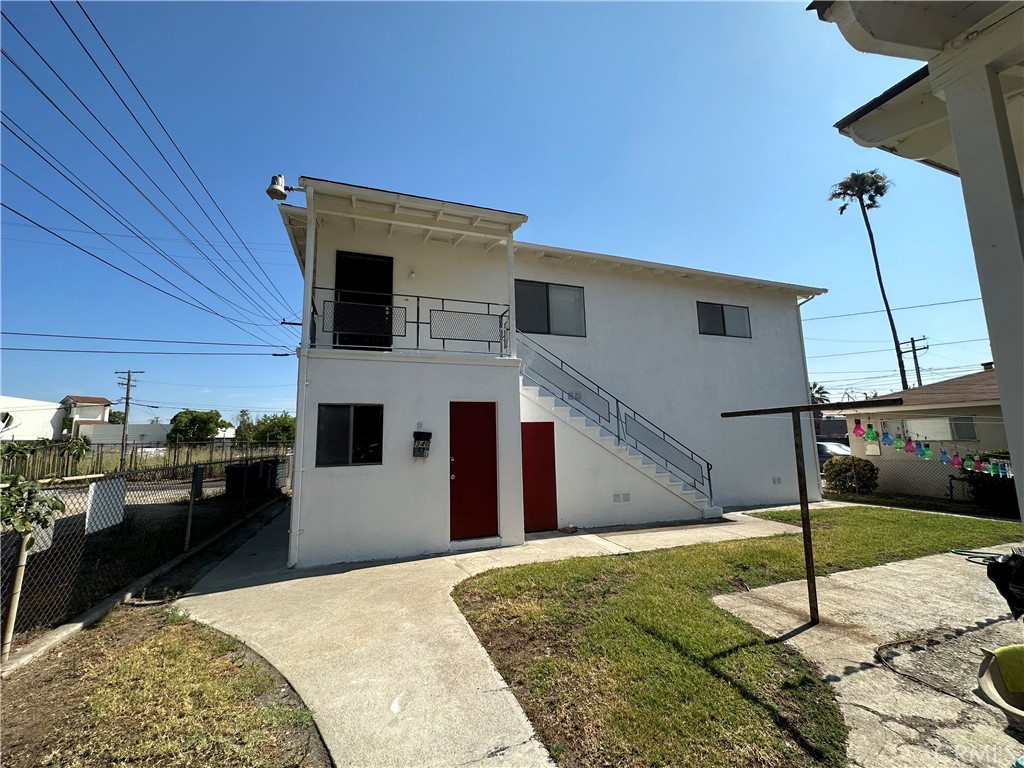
(344, 319)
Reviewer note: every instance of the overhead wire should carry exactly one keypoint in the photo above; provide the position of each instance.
(259, 311)
(281, 300)
(894, 309)
(142, 352)
(871, 351)
(124, 338)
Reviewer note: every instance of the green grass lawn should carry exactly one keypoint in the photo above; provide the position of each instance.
(625, 660)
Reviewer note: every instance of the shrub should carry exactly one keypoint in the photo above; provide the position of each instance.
(849, 474)
(995, 495)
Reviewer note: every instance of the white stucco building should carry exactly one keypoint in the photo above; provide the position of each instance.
(603, 408)
(28, 419)
(962, 113)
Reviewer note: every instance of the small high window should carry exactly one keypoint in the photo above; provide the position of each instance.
(723, 320)
(348, 435)
(550, 308)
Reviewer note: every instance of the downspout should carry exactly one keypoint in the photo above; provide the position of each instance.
(511, 295)
(299, 466)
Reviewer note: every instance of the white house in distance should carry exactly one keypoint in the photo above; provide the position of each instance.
(426, 424)
(27, 419)
(86, 410)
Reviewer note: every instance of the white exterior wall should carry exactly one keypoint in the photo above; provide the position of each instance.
(107, 434)
(587, 476)
(33, 419)
(90, 412)
(642, 345)
(401, 507)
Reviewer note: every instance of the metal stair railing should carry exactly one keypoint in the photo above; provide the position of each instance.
(629, 427)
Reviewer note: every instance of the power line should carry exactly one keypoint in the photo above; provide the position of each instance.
(146, 341)
(118, 269)
(91, 195)
(283, 300)
(142, 352)
(252, 244)
(104, 235)
(871, 351)
(894, 309)
(260, 311)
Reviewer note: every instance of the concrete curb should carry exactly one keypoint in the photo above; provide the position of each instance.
(91, 616)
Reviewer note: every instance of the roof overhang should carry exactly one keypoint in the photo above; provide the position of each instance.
(920, 407)
(919, 29)
(910, 121)
(552, 253)
(396, 213)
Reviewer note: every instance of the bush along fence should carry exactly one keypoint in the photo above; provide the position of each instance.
(980, 483)
(110, 529)
(38, 459)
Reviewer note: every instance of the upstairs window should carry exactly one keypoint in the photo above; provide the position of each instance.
(550, 308)
(349, 435)
(723, 320)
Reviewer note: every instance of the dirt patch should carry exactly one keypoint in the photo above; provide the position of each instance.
(108, 695)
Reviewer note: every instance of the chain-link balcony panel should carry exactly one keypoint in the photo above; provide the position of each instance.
(347, 318)
(452, 325)
(118, 527)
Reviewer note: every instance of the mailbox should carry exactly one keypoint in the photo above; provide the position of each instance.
(421, 444)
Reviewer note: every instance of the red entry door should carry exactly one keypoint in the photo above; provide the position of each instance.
(540, 502)
(474, 470)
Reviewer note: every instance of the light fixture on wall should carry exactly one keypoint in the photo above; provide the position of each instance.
(278, 190)
(412, 274)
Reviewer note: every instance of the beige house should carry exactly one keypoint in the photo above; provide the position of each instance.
(960, 416)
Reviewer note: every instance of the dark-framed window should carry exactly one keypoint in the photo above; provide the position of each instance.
(550, 308)
(349, 435)
(723, 320)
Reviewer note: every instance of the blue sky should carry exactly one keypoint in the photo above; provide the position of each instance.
(689, 133)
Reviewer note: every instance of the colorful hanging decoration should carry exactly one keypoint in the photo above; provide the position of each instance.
(1003, 469)
(928, 452)
(909, 446)
(886, 437)
(944, 457)
(968, 462)
(858, 430)
(993, 468)
(977, 464)
(898, 442)
(871, 435)
(919, 450)
(956, 461)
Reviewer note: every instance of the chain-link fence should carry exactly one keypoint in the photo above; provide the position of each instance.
(119, 526)
(38, 459)
(972, 484)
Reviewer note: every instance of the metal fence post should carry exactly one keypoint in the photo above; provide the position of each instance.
(195, 492)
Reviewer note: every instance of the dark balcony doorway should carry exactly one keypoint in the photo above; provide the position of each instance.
(363, 314)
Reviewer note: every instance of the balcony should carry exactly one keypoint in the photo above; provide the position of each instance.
(392, 322)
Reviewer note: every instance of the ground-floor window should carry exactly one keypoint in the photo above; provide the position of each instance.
(348, 434)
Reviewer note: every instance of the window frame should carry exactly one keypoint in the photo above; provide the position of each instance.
(547, 303)
(725, 329)
(959, 421)
(351, 435)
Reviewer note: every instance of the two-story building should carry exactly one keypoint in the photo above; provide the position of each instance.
(458, 389)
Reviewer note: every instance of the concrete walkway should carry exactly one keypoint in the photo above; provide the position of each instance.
(896, 722)
(381, 654)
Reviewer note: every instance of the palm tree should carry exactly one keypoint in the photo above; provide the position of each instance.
(819, 395)
(866, 188)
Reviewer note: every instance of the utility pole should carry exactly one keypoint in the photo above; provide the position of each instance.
(914, 349)
(127, 405)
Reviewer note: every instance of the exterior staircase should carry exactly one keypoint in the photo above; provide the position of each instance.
(574, 399)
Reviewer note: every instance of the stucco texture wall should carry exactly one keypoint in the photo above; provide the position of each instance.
(643, 346)
(401, 507)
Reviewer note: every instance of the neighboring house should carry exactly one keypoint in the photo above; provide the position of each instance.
(107, 434)
(31, 419)
(417, 434)
(960, 114)
(961, 416)
(85, 410)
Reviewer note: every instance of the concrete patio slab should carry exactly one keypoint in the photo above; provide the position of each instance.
(896, 722)
(381, 654)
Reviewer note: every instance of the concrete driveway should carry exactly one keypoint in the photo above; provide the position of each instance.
(381, 654)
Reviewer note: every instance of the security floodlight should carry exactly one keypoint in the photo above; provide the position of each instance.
(277, 190)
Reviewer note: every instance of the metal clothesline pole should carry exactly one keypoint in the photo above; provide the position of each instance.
(801, 473)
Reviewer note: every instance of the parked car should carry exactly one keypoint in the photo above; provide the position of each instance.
(827, 450)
